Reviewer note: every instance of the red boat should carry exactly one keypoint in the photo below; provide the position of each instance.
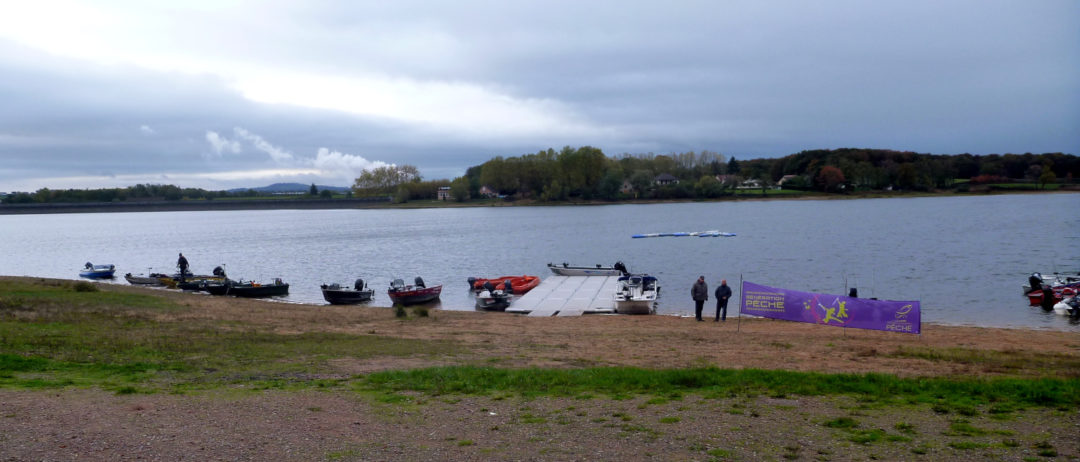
(520, 284)
(413, 294)
(1035, 297)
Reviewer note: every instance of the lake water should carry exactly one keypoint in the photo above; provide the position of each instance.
(965, 258)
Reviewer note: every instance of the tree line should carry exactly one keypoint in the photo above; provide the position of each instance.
(586, 173)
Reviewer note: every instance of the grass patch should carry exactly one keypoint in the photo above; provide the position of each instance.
(842, 422)
(997, 361)
(619, 381)
(53, 336)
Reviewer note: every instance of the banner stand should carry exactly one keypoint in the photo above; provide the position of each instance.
(738, 324)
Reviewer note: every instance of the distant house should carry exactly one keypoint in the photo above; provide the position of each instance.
(785, 179)
(665, 179)
(443, 193)
(727, 179)
(752, 183)
(486, 191)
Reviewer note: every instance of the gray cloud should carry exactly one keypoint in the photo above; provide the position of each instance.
(747, 79)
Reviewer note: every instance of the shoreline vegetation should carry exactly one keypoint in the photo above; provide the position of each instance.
(301, 203)
(100, 371)
(585, 175)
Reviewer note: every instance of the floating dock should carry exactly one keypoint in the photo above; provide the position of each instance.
(568, 296)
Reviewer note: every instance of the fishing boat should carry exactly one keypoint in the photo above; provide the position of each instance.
(412, 294)
(195, 282)
(93, 271)
(519, 285)
(246, 289)
(337, 294)
(568, 270)
(154, 279)
(491, 299)
(636, 294)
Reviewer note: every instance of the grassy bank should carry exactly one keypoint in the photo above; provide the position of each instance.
(69, 334)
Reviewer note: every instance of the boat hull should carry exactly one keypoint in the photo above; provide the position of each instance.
(245, 289)
(583, 271)
(98, 271)
(347, 296)
(488, 302)
(634, 306)
(412, 296)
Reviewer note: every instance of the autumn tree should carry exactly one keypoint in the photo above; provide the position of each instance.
(830, 178)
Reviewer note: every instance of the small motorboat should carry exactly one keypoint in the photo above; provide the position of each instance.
(491, 298)
(636, 294)
(566, 269)
(154, 279)
(412, 294)
(337, 294)
(1046, 295)
(519, 285)
(1068, 307)
(1037, 281)
(246, 289)
(93, 271)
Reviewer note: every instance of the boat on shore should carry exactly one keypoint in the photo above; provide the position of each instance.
(337, 294)
(519, 285)
(92, 271)
(493, 300)
(249, 289)
(569, 270)
(412, 294)
(154, 279)
(636, 294)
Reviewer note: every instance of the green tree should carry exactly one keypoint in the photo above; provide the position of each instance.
(383, 180)
(1047, 176)
(313, 191)
(459, 189)
(733, 166)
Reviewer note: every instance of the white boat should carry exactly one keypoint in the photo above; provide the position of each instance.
(1068, 307)
(568, 270)
(636, 294)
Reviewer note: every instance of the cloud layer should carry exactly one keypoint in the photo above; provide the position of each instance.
(104, 94)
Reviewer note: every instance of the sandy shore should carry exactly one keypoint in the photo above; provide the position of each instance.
(510, 340)
(79, 424)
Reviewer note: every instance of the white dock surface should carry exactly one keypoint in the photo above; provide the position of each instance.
(568, 296)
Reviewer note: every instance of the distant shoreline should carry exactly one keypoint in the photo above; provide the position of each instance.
(383, 203)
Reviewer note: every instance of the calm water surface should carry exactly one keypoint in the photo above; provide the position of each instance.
(965, 258)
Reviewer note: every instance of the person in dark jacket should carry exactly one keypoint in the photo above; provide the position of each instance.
(700, 293)
(183, 265)
(723, 293)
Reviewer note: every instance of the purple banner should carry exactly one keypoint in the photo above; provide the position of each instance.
(831, 310)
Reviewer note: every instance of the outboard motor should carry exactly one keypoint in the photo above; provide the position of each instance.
(419, 282)
(1035, 281)
(853, 293)
(508, 287)
(219, 271)
(472, 283)
(1047, 299)
(488, 286)
(397, 284)
(620, 267)
(359, 284)
(89, 265)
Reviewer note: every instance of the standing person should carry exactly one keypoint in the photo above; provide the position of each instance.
(700, 293)
(723, 293)
(183, 264)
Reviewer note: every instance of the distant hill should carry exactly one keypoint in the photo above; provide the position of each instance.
(290, 187)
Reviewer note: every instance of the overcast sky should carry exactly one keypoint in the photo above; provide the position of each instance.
(220, 93)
